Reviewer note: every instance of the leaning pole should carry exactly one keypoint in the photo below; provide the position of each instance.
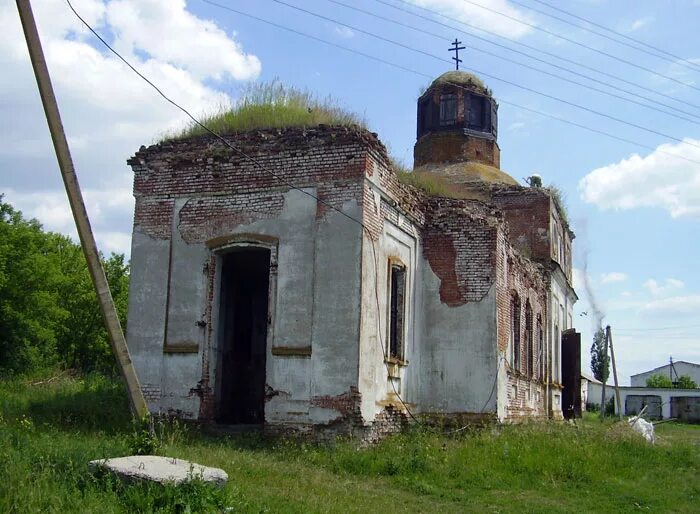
(82, 222)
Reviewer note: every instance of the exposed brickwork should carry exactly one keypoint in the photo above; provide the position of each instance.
(459, 242)
(151, 392)
(202, 219)
(445, 147)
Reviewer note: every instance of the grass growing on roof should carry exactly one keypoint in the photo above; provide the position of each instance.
(273, 105)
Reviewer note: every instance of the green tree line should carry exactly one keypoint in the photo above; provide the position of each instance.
(49, 315)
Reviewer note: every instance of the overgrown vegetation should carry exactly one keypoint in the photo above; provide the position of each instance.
(662, 381)
(558, 197)
(49, 431)
(49, 315)
(273, 105)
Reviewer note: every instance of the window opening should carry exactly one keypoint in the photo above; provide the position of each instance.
(540, 347)
(397, 303)
(528, 340)
(515, 331)
(425, 116)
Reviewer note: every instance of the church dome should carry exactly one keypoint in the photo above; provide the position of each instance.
(461, 78)
(457, 131)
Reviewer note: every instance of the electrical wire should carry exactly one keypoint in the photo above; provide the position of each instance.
(524, 45)
(582, 45)
(630, 38)
(606, 36)
(528, 66)
(425, 75)
(479, 72)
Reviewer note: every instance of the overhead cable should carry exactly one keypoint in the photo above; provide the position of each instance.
(482, 73)
(582, 45)
(534, 68)
(428, 76)
(525, 45)
(677, 59)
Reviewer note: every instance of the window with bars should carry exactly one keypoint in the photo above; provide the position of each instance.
(397, 309)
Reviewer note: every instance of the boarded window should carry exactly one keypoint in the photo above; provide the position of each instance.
(448, 110)
(515, 331)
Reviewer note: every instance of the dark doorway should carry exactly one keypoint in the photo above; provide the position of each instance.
(571, 373)
(243, 312)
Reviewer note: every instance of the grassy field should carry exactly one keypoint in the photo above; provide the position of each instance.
(49, 431)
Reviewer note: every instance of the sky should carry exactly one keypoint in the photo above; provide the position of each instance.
(633, 195)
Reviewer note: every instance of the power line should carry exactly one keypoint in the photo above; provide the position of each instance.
(656, 328)
(528, 66)
(530, 56)
(425, 75)
(672, 59)
(483, 73)
(582, 45)
(529, 47)
(630, 38)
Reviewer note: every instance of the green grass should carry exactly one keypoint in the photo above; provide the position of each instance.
(273, 105)
(48, 433)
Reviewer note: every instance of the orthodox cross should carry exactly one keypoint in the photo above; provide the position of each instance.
(456, 48)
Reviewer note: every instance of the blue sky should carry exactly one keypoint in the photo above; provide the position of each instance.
(635, 209)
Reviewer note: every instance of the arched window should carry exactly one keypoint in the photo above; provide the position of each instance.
(529, 351)
(540, 348)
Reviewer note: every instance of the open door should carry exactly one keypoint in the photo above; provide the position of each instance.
(243, 312)
(571, 373)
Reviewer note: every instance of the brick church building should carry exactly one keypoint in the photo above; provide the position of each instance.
(315, 289)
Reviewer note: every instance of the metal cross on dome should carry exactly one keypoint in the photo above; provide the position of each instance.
(456, 48)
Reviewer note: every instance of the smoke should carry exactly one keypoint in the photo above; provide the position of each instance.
(596, 314)
(597, 311)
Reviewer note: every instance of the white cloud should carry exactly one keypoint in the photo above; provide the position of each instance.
(517, 125)
(657, 288)
(656, 180)
(107, 111)
(169, 33)
(640, 22)
(473, 15)
(613, 276)
(674, 305)
(344, 32)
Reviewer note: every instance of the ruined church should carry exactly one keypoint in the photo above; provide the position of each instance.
(300, 283)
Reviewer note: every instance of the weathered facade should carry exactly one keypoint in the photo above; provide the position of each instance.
(297, 283)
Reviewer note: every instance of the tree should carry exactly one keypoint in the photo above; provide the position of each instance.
(600, 361)
(685, 382)
(49, 314)
(659, 381)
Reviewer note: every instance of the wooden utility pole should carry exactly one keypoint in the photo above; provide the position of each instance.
(605, 365)
(82, 222)
(608, 339)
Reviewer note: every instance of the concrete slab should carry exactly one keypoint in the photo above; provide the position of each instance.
(159, 469)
